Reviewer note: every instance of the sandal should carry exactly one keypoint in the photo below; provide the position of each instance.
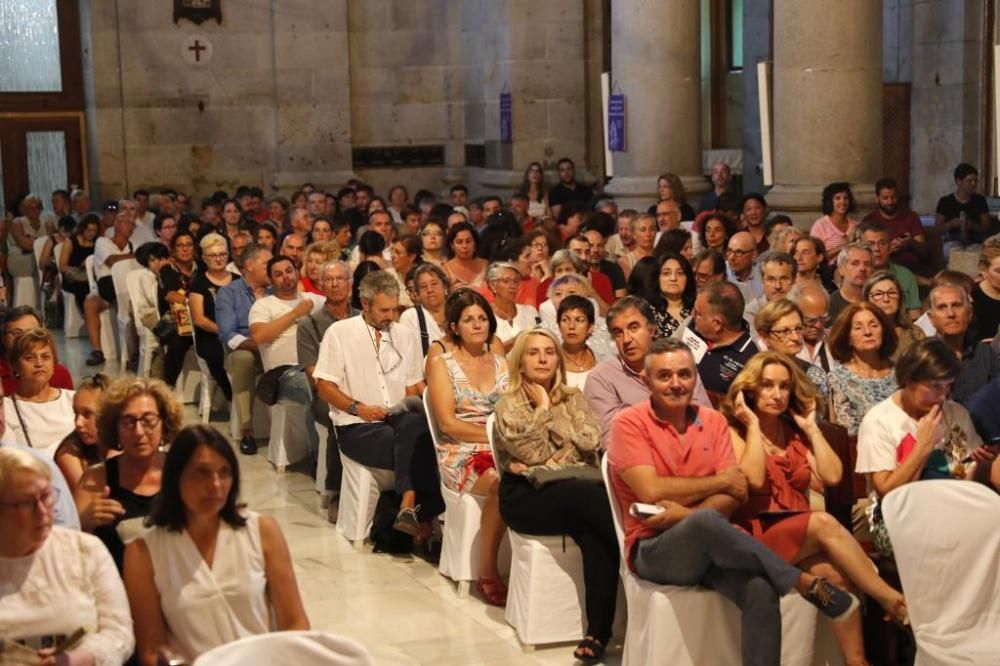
(492, 590)
(898, 613)
(595, 647)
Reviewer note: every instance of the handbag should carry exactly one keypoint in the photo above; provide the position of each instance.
(165, 328)
(75, 274)
(269, 385)
(540, 476)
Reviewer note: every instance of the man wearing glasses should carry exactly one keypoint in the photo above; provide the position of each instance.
(740, 253)
(367, 368)
(335, 281)
(814, 302)
(876, 235)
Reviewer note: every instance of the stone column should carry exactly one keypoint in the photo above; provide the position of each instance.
(827, 102)
(656, 61)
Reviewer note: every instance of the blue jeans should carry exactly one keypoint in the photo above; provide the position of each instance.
(294, 386)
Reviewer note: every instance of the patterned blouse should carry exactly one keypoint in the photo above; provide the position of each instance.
(852, 396)
(462, 463)
(566, 433)
(666, 324)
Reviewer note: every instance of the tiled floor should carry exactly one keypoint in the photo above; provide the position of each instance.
(401, 609)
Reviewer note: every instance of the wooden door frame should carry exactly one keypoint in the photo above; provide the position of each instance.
(14, 126)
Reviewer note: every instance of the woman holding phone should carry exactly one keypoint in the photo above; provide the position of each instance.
(771, 407)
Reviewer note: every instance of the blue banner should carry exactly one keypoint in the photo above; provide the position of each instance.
(506, 122)
(616, 123)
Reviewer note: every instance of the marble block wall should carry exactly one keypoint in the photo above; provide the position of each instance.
(269, 108)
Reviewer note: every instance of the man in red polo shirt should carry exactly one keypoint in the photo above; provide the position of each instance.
(669, 452)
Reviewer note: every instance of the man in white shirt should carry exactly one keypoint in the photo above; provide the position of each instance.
(367, 365)
(107, 252)
(144, 232)
(274, 323)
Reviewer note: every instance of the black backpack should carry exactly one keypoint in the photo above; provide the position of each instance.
(384, 538)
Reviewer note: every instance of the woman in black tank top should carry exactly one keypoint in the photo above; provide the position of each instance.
(140, 417)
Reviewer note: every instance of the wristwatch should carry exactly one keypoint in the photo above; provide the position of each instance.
(353, 409)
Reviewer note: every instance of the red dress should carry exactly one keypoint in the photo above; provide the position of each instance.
(784, 489)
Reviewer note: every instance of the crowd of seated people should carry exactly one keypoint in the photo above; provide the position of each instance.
(586, 329)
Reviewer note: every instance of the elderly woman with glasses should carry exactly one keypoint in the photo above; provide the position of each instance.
(61, 591)
(884, 291)
(780, 326)
(504, 281)
(204, 286)
(139, 417)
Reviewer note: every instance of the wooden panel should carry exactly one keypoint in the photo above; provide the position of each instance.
(896, 135)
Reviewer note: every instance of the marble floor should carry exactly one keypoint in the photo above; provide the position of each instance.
(401, 609)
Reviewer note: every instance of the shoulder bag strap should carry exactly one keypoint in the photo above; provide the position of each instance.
(424, 338)
(24, 426)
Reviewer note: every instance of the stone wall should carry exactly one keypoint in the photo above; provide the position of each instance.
(946, 96)
(270, 108)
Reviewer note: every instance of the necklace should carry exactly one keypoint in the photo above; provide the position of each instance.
(770, 446)
(580, 360)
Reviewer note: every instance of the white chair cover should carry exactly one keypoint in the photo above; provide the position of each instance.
(301, 648)
(359, 491)
(690, 626)
(460, 530)
(946, 536)
(126, 329)
(287, 438)
(545, 595)
(108, 327)
(147, 341)
(74, 325)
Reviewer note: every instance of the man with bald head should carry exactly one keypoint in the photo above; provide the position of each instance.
(814, 301)
(740, 254)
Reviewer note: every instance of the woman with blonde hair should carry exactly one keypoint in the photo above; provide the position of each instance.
(884, 291)
(771, 407)
(80, 449)
(55, 580)
(140, 417)
(547, 443)
(204, 287)
(643, 229)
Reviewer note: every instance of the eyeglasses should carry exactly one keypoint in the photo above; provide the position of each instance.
(888, 295)
(785, 333)
(427, 287)
(337, 279)
(540, 245)
(47, 499)
(184, 246)
(738, 253)
(815, 322)
(217, 255)
(509, 280)
(431, 233)
(149, 422)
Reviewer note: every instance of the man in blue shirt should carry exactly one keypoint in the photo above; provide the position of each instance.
(232, 312)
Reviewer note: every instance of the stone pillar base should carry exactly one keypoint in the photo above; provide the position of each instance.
(804, 203)
(639, 192)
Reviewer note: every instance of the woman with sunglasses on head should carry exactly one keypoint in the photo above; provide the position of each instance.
(465, 384)
(204, 287)
(139, 417)
(884, 291)
(208, 572)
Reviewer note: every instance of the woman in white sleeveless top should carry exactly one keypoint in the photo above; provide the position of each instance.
(207, 573)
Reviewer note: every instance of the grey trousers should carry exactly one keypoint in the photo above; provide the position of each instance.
(705, 549)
